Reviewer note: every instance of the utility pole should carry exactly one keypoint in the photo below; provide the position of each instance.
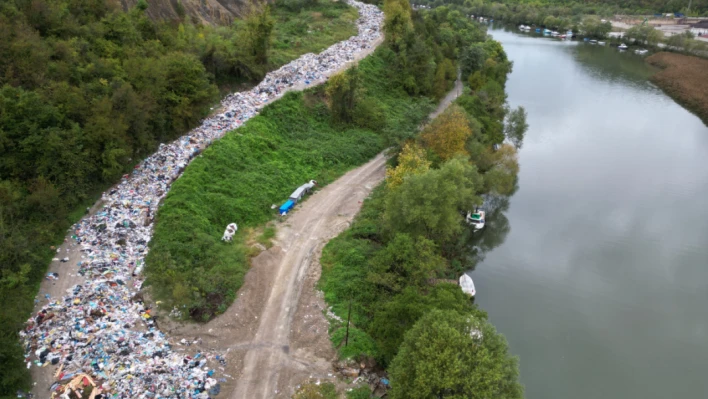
(349, 316)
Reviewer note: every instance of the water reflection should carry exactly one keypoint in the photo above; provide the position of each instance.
(601, 285)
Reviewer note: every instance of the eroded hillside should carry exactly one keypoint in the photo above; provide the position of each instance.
(211, 11)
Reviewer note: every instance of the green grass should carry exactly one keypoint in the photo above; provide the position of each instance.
(359, 393)
(239, 177)
(266, 238)
(310, 30)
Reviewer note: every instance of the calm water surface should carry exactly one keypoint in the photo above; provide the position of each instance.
(601, 282)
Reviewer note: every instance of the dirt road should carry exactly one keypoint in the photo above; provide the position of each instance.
(275, 334)
(321, 218)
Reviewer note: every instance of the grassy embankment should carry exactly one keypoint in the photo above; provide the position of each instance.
(685, 79)
(238, 178)
(84, 92)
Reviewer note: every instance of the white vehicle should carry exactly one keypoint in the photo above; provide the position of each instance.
(475, 219)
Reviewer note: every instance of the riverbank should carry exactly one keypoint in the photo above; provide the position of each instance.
(387, 277)
(685, 79)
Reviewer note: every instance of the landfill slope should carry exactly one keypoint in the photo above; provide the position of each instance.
(91, 326)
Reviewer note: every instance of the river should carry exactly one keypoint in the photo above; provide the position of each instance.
(600, 283)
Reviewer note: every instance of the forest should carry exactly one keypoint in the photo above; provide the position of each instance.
(389, 272)
(87, 91)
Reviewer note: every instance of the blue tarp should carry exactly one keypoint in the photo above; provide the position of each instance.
(286, 207)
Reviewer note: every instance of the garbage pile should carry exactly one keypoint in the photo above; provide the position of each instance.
(101, 336)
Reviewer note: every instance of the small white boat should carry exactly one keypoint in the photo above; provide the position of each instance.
(475, 219)
(555, 34)
(601, 43)
(467, 285)
(593, 41)
(641, 51)
(622, 46)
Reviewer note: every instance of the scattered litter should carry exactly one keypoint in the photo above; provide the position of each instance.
(101, 335)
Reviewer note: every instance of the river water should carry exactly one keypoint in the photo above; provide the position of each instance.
(600, 282)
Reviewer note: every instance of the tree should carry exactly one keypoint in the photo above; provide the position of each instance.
(397, 23)
(405, 261)
(452, 355)
(500, 169)
(516, 126)
(259, 31)
(430, 204)
(592, 26)
(444, 74)
(411, 160)
(447, 134)
(644, 34)
(394, 317)
(342, 92)
(472, 59)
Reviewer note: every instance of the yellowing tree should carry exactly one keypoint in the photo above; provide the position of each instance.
(411, 160)
(447, 134)
(397, 23)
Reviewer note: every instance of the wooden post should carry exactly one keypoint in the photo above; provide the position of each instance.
(349, 315)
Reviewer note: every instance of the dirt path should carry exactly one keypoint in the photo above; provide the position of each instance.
(449, 98)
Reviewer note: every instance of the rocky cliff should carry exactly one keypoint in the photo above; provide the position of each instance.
(208, 11)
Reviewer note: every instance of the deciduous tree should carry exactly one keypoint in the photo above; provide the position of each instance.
(451, 355)
(447, 134)
(430, 204)
(411, 160)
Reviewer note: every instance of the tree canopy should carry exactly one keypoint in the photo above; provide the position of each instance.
(429, 204)
(452, 355)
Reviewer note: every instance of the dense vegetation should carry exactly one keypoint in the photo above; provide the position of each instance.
(685, 79)
(298, 138)
(87, 90)
(390, 267)
(497, 8)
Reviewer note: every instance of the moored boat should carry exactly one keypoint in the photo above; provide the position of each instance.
(622, 46)
(641, 51)
(476, 219)
(467, 285)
